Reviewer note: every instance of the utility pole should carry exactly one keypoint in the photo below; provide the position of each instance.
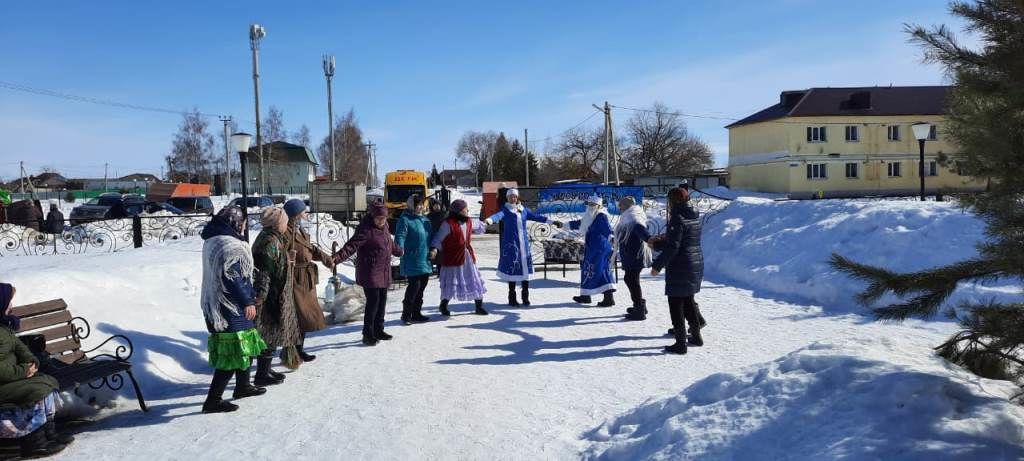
(611, 155)
(526, 149)
(329, 75)
(256, 33)
(227, 156)
(21, 168)
(371, 166)
(105, 165)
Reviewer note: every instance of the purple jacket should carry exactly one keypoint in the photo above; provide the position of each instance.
(373, 248)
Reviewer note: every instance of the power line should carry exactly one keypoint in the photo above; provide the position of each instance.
(592, 115)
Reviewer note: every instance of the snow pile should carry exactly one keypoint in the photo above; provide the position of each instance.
(783, 248)
(853, 399)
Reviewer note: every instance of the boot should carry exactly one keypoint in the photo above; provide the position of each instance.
(263, 376)
(243, 388)
(417, 313)
(694, 330)
(526, 293)
(443, 308)
(406, 314)
(35, 445)
(52, 435)
(302, 352)
(609, 299)
(637, 312)
(370, 341)
(480, 307)
(381, 335)
(582, 299)
(512, 294)
(680, 345)
(214, 402)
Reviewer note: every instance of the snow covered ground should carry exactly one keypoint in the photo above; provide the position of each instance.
(560, 381)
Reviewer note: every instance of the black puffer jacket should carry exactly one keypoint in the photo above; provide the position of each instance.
(681, 256)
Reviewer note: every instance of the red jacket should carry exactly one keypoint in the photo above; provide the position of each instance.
(453, 247)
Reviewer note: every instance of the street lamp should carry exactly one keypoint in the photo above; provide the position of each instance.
(256, 33)
(921, 131)
(240, 141)
(329, 74)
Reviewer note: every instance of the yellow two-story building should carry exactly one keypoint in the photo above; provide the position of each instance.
(845, 142)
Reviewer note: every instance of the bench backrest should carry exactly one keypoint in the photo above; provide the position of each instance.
(52, 320)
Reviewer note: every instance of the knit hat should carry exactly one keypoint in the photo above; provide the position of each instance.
(458, 205)
(293, 207)
(511, 192)
(271, 217)
(595, 199)
(378, 210)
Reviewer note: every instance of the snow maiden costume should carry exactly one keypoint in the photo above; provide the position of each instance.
(631, 236)
(226, 294)
(596, 267)
(460, 278)
(515, 263)
(28, 399)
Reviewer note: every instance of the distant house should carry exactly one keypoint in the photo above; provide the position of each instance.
(44, 182)
(141, 177)
(705, 179)
(460, 178)
(845, 142)
(289, 168)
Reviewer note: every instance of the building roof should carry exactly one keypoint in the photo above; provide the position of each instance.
(854, 101)
(139, 177)
(285, 147)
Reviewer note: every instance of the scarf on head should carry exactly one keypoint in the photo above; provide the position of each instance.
(6, 295)
(220, 255)
(635, 215)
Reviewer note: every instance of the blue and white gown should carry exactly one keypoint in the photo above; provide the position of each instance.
(596, 267)
(515, 263)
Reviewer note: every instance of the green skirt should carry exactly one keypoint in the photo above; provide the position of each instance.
(234, 351)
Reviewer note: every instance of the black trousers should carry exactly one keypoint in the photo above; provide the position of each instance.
(632, 279)
(414, 292)
(682, 309)
(373, 319)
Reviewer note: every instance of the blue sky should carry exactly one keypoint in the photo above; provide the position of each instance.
(419, 74)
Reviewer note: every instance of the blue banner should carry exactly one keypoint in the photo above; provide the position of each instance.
(572, 198)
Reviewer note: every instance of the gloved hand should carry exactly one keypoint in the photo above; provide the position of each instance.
(488, 221)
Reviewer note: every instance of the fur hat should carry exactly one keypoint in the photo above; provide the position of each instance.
(271, 217)
(294, 207)
(511, 192)
(595, 199)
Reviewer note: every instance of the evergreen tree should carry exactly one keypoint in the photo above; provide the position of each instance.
(985, 117)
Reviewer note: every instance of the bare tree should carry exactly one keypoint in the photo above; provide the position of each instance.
(273, 126)
(578, 152)
(476, 148)
(192, 150)
(303, 138)
(660, 144)
(352, 158)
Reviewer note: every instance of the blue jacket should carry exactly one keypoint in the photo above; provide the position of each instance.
(631, 247)
(681, 256)
(412, 234)
(240, 290)
(515, 263)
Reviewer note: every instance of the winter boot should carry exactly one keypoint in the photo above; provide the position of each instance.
(480, 307)
(263, 376)
(370, 341)
(680, 345)
(526, 293)
(35, 445)
(443, 308)
(694, 331)
(417, 314)
(53, 435)
(637, 312)
(381, 335)
(406, 314)
(609, 299)
(582, 299)
(302, 352)
(512, 294)
(214, 402)
(243, 388)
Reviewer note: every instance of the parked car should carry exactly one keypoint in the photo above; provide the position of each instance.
(110, 205)
(260, 202)
(192, 205)
(156, 207)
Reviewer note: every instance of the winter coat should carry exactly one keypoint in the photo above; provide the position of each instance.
(235, 279)
(15, 389)
(412, 234)
(277, 318)
(515, 263)
(596, 269)
(631, 244)
(54, 222)
(373, 248)
(306, 277)
(681, 256)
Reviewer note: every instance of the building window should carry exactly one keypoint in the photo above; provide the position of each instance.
(816, 134)
(851, 171)
(931, 169)
(894, 133)
(894, 169)
(816, 171)
(933, 133)
(851, 133)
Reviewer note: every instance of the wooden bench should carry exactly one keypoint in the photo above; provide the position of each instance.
(49, 329)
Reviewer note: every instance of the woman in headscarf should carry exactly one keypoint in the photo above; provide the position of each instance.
(515, 262)
(631, 236)
(373, 247)
(412, 234)
(683, 261)
(276, 320)
(460, 278)
(28, 399)
(306, 275)
(229, 307)
(596, 267)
